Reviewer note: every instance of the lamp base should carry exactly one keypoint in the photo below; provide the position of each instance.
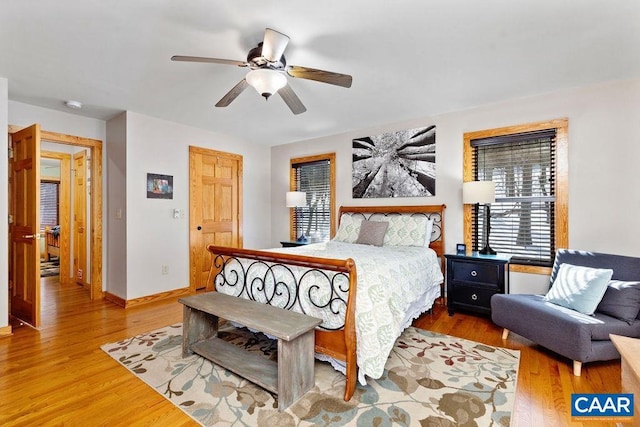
(302, 239)
(487, 250)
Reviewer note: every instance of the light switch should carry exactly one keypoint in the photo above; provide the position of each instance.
(118, 213)
(176, 213)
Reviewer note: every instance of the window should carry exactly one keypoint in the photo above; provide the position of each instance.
(49, 203)
(315, 175)
(528, 165)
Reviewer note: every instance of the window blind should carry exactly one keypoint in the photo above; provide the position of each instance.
(49, 202)
(314, 220)
(523, 168)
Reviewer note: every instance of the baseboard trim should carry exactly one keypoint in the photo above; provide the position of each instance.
(5, 331)
(115, 299)
(146, 299)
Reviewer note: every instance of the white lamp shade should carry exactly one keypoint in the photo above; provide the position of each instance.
(296, 199)
(265, 81)
(478, 192)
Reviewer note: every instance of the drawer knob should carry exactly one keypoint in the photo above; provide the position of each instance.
(474, 297)
(474, 273)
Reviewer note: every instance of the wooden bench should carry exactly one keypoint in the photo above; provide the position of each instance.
(293, 374)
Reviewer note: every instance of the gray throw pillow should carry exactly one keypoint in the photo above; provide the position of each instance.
(621, 300)
(372, 232)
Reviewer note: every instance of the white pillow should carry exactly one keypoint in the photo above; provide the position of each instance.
(428, 232)
(349, 228)
(579, 288)
(406, 230)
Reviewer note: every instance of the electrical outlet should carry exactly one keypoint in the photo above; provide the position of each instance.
(165, 269)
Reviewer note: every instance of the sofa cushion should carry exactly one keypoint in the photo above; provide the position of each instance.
(621, 300)
(579, 288)
(605, 325)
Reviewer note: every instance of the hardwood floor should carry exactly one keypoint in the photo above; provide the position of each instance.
(58, 375)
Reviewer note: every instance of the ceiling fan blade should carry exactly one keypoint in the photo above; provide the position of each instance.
(209, 60)
(322, 76)
(274, 44)
(233, 93)
(292, 100)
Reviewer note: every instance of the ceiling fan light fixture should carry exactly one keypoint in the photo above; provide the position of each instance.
(265, 81)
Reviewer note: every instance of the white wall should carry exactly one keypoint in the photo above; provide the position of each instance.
(4, 208)
(154, 237)
(21, 114)
(116, 212)
(604, 148)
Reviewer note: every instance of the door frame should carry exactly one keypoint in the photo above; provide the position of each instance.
(80, 238)
(96, 199)
(194, 204)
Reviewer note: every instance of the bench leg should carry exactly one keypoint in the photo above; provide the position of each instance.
(296, 374)
(196, 326)
(505, 333)
(577, 368)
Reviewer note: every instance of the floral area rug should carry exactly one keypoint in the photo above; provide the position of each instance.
(430, 379)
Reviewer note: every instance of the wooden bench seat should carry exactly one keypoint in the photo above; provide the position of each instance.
(293, 374)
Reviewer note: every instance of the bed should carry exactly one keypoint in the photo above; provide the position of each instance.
(52, 242)
(365, 295)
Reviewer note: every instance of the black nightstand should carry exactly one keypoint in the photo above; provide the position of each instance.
(473, 279)
(292, 244)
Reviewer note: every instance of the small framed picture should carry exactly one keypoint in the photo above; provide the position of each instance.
(159, 186)
(461, 249)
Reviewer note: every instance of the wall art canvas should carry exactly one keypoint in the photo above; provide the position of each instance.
(395, 164)
(159, 186)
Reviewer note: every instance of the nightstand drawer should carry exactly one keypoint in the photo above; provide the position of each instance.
(472, 279)
(475, 296)
(475, 272)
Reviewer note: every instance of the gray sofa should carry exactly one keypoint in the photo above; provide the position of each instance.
(579, 337)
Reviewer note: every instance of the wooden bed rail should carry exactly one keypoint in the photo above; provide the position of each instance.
(344, 265)
(338, 341)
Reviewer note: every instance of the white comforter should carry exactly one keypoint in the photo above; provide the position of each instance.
(395, 284)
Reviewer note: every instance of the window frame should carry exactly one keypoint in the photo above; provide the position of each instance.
(331, 157)
(56, 183)
(561, 181)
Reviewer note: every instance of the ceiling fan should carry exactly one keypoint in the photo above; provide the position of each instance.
(269, 72)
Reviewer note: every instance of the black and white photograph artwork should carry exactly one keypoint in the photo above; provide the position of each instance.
(395, 164)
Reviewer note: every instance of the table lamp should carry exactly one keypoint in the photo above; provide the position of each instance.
(297, 199)
(481, 192)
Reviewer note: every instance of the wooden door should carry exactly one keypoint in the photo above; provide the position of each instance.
(215, 195)
(80, 217)
(24, 253)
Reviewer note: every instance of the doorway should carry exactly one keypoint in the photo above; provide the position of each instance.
(30, 292)
(55, 168)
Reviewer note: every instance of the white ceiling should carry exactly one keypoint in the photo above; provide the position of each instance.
(408, 58)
